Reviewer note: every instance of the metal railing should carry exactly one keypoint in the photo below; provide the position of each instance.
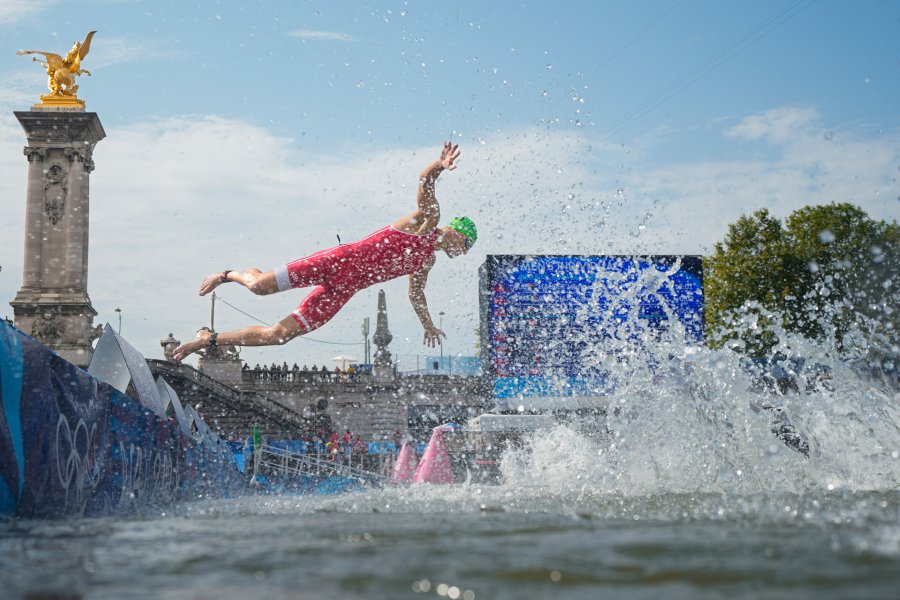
(285, 462)
(299, 376)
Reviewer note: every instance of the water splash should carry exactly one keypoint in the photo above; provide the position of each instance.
(700, 421)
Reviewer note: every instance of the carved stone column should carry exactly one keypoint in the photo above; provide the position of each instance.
(382, 368)
(53, 304)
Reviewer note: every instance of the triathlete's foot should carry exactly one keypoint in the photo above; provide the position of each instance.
(188, 348)
(211, 282)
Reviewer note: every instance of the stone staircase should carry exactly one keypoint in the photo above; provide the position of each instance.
(226, 410)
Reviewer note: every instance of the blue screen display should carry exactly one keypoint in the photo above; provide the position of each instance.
(549, 324)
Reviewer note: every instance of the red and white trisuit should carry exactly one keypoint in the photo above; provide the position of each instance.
(340, 272)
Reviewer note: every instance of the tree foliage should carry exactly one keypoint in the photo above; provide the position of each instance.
(828, 272)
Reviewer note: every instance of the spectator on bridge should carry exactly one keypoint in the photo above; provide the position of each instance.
(304, 368)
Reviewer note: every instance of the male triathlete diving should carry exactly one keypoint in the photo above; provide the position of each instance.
(406, 247)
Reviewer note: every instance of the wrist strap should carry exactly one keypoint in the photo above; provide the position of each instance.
(224, 275)
(213, 342)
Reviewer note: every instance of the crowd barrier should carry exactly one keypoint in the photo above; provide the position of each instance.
(320, 447)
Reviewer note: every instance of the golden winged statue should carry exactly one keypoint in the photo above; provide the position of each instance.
(62, 72)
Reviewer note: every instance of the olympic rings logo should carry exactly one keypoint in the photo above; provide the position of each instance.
(76, 465)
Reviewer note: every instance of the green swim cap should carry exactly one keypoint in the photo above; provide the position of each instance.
(465, 226)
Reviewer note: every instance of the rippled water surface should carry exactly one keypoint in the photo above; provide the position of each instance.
(471, 542)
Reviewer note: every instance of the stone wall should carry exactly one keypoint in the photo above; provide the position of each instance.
(374, 410)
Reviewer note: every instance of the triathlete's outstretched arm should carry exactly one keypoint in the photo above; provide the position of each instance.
(428, 212)
(417, 283)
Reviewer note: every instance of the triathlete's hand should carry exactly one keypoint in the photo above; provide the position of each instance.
(449, 154)
(433, 336)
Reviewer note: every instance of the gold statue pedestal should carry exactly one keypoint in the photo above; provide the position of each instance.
(60, 101)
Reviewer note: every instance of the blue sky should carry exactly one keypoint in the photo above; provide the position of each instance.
(250, 133)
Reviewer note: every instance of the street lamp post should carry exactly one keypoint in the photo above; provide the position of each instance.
(441, 341)
(365, 332)
(119, 310)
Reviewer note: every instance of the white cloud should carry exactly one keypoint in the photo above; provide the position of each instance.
(777, 125)
(176, 199)
(22, 88)
(107, 51)
(323, 36)
(13, 11)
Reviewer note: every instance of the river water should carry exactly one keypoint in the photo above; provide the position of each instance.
(469, 542)
(682, 491)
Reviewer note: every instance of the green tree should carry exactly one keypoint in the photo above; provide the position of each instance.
(742, 282)
(831, 270)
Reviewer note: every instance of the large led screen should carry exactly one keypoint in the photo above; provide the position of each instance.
(551, 325)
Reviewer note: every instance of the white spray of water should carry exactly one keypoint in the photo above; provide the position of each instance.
(693, 423)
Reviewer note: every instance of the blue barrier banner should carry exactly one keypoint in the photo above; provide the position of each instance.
(381, 448)
(146, 454)
(12, 453)
(64, 415)
(73, 445)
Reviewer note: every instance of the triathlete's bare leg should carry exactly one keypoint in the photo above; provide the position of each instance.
(272, 335)
(258, 282)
